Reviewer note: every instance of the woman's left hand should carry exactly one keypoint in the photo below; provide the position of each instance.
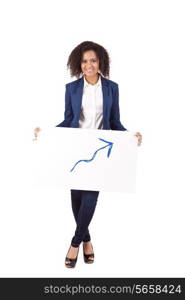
(139, 136)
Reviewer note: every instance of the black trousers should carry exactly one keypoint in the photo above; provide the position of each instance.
(83, 205)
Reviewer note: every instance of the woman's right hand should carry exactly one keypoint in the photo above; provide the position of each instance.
(36, 131)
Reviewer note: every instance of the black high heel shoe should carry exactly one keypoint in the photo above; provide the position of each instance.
(88, 258)
(71, 262)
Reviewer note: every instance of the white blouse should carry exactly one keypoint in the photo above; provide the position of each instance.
(91, 115)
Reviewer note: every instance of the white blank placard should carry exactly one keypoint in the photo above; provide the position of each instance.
(78, 159)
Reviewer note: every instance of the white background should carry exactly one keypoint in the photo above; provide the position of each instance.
(134, 235)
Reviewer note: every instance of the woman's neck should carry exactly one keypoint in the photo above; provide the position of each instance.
(92, 79)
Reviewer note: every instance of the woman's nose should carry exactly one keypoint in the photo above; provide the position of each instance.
(89, 64)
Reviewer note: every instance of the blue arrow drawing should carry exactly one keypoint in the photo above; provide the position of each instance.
(109, 145)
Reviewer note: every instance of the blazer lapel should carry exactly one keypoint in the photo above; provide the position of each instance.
(106, 98)
(78, 97)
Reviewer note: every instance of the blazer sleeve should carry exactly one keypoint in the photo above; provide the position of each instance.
(115, 123)
(68, 114)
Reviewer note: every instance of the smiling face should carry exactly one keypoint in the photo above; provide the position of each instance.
(90, 63)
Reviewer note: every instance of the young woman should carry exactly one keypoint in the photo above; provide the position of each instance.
(91, 101)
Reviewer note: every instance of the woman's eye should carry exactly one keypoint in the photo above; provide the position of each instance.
(84, 61)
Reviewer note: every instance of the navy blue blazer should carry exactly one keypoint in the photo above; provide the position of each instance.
(73, 103)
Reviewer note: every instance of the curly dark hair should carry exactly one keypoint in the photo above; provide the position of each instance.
(75, 58)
